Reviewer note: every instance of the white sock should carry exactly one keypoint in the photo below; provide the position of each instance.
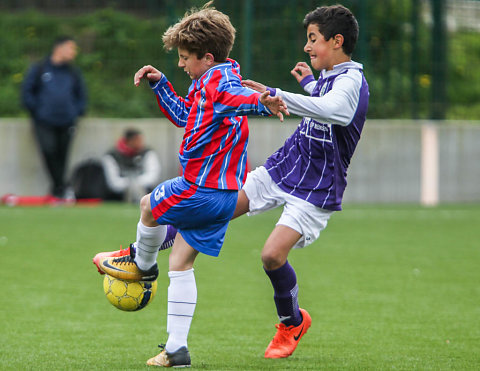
(149, 240)
(182, 299)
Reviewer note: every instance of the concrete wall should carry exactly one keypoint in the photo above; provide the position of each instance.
(387, 165)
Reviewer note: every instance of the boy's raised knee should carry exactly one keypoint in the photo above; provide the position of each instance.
(145, 203)
(146, 212)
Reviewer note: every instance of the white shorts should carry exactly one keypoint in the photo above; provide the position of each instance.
(302, 216)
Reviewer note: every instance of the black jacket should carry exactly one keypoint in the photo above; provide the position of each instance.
(54, 94)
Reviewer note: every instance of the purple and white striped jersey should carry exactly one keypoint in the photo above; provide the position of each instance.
(312, 164)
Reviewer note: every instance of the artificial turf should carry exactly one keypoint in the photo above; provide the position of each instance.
(388, 287)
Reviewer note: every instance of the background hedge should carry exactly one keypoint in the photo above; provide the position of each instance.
(114, 43)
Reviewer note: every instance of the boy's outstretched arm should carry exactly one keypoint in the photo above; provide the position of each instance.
(254, 85)
(338, 105)
(173, 106)
(274, 104)
(277, 106)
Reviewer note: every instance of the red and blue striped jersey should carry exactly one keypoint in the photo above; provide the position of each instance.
(213, 152)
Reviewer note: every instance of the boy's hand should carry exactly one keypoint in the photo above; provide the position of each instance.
(254, 85)
(274, 104)
(148, 72)
(301, 70)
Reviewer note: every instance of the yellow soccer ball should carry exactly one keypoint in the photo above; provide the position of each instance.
(128, 296)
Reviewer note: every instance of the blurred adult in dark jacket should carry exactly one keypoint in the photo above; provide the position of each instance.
(131, 169)
(55, 95)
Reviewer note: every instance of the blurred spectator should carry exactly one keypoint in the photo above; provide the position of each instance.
(55, 95)
(131, 170)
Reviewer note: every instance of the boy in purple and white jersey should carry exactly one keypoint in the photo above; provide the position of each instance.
(308, 173)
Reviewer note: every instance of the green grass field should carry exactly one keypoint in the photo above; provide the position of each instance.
(389, 287)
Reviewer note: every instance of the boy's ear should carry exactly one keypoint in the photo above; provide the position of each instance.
(209, 58)
(338, 40)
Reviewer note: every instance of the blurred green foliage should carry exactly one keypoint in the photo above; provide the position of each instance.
(114, 44)
(464, 76)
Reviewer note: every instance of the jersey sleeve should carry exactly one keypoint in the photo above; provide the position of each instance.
(308, 83)
(174, 107)
(338, 106)
(231, 99)
(309, 86)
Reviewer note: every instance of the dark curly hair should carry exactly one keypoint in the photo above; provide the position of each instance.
(334, 20)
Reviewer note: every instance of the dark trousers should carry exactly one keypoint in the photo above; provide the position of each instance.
(54, 143)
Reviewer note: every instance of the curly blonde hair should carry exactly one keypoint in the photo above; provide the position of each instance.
(202, 31)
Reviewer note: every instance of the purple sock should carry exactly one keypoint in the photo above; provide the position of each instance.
(169, 238)
(284, 282)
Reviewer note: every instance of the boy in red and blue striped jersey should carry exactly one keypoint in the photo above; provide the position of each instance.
(201, 202)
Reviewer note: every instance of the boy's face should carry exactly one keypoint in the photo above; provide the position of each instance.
(321, 51)
(191, 64)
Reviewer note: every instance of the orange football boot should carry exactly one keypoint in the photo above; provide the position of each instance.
(286, 339)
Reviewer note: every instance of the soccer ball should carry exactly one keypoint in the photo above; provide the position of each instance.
(128, 296)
